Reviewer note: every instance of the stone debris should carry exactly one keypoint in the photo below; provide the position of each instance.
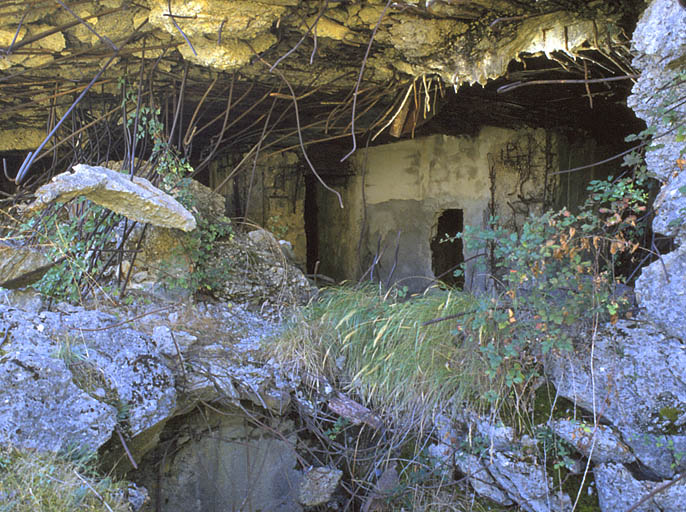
(260, 273)
(507, 478)
(639, 390)
(618, 490)
(136, 199)
(605, 444)
(21, 266)
(480, 479)
(527, 484)
(318, 485)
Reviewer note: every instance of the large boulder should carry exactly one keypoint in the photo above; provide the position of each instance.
(71, 379)
(41, 407)
(633, 381)
(260, 271)
(135, 198)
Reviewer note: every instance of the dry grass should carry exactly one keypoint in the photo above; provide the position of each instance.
(31, 482)
(390, 352)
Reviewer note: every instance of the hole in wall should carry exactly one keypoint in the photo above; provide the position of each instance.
(447, 256)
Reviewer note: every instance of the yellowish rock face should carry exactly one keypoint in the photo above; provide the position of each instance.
(20, 138)
(220, 33)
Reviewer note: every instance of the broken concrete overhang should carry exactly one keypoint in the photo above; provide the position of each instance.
(447, 39)
(136, 199)
(462, 42)
(201, 53)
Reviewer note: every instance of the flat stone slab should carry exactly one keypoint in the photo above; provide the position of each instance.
(21, 266)
(136, 199)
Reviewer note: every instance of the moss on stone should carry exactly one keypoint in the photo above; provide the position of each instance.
(671, 413)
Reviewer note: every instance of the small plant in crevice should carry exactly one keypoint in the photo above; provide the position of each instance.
(339, 426)
(77, 235)
(173, 173)
(198, 248)
(556, 450)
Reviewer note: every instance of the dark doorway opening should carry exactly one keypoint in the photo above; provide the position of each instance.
(311, 223)
(446, 255)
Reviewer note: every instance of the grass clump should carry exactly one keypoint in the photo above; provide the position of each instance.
(31, 482)
(550, 281)
(398, 354)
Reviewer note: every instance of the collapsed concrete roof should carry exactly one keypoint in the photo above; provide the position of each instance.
(342, 60)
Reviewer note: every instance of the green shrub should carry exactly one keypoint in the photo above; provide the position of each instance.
(443, 350)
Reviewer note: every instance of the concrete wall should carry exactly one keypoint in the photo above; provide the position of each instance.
(394, 194)
(274, 195)
(399, 190)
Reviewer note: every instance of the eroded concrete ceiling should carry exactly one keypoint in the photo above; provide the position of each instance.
(50, 51)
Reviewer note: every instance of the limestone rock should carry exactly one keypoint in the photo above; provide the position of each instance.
(661, 290)
(318, 486)
(507, 478)
(638, 389)
(172, 343)
(21, 266)
(214, 351)
(136, 199)
(619, 490)
(528, 485)
(41, 408)
(131, 367)
(605, 444)
(480, 479)
(27, 299)
(69, 378)
(670, 205)
(659, 46)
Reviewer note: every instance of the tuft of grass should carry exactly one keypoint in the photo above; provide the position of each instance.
(31, 482)
(397, 354)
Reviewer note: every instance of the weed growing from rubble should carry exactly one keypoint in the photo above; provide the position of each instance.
(56, 483)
